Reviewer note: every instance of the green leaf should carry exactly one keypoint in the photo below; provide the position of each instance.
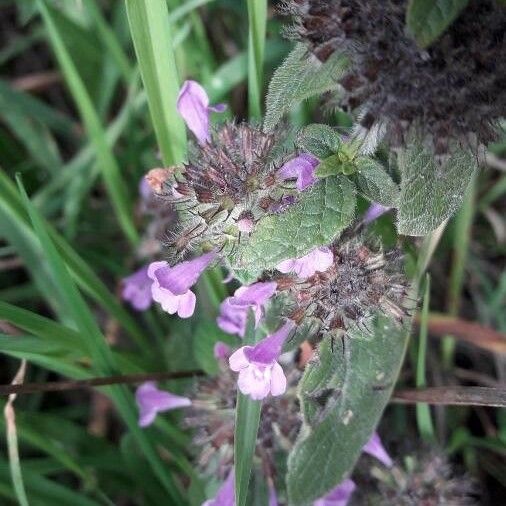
(320, 140)
(299, 77)
(428, 19)
(320, 215)
(343, 393)
(247, 419)
(374, 183)
(151, 34)
(334, 165)
(431, 191)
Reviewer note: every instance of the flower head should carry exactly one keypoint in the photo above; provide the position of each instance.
(259, 371)
(234, 310)
(338, 496)
(318, 260)
(137, 289)
(300, 168)
(171, 285)
(193, 106)
(226, 493)
(151, 401)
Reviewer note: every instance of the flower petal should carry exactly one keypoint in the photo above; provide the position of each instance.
(238, 360)
(267, 350)
(375, 448)
(278, 380)
(302, 168)
(221, 350)
(137, 289)
(192, 105)
(181, 277)
(254, 382)
(186, 305)
(339, 496)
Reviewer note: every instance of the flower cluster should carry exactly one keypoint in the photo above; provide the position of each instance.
(452, 88)
(212, 416)
(344, 286)
(236, 174)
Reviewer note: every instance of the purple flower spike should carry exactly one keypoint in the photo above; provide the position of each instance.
(151, 401)
(259, 371)
(193, 106)
(339, 496)
(137, 289)
(301, 168)
(318, 260)
(221, 350)
(375, 448)
(226, 493)
(374, 212)
(171, 285)
(234, 310)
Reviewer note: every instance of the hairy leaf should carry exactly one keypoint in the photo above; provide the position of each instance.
(374, 183)
(321, 141)
(431, 191)
(299, 77)
(428, 19)
(343, 393)
(322, 212)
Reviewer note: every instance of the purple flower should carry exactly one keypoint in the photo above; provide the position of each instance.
(338, 496)
(221, 350)
(137, 289)
(234, 310)
(259, 371)
(151, 401)
(375, 448)
(318, 260)
(374, 212)
(301, 168)
(193, 106)
(226, 493)
(171, 285)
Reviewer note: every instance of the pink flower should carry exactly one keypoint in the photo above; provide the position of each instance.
(259, 371)
(226, 493)
(152, 401)
(301, 168)
(338, 496)
(193, 106)
(234, 310)
(221, 350)
(375, 448)
(318, 260)
(137, 289)
(171, 285)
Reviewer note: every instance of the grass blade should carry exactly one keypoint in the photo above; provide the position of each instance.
(247, 419)
(110, 169)
(423, 416)
(151, 34)
(12, 440)
(257, 15)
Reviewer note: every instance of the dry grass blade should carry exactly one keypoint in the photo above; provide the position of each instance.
(454, 396)
(12, 439)
(470, 332)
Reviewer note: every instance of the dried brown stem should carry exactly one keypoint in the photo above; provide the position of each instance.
(58, 386)
(453, 396)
